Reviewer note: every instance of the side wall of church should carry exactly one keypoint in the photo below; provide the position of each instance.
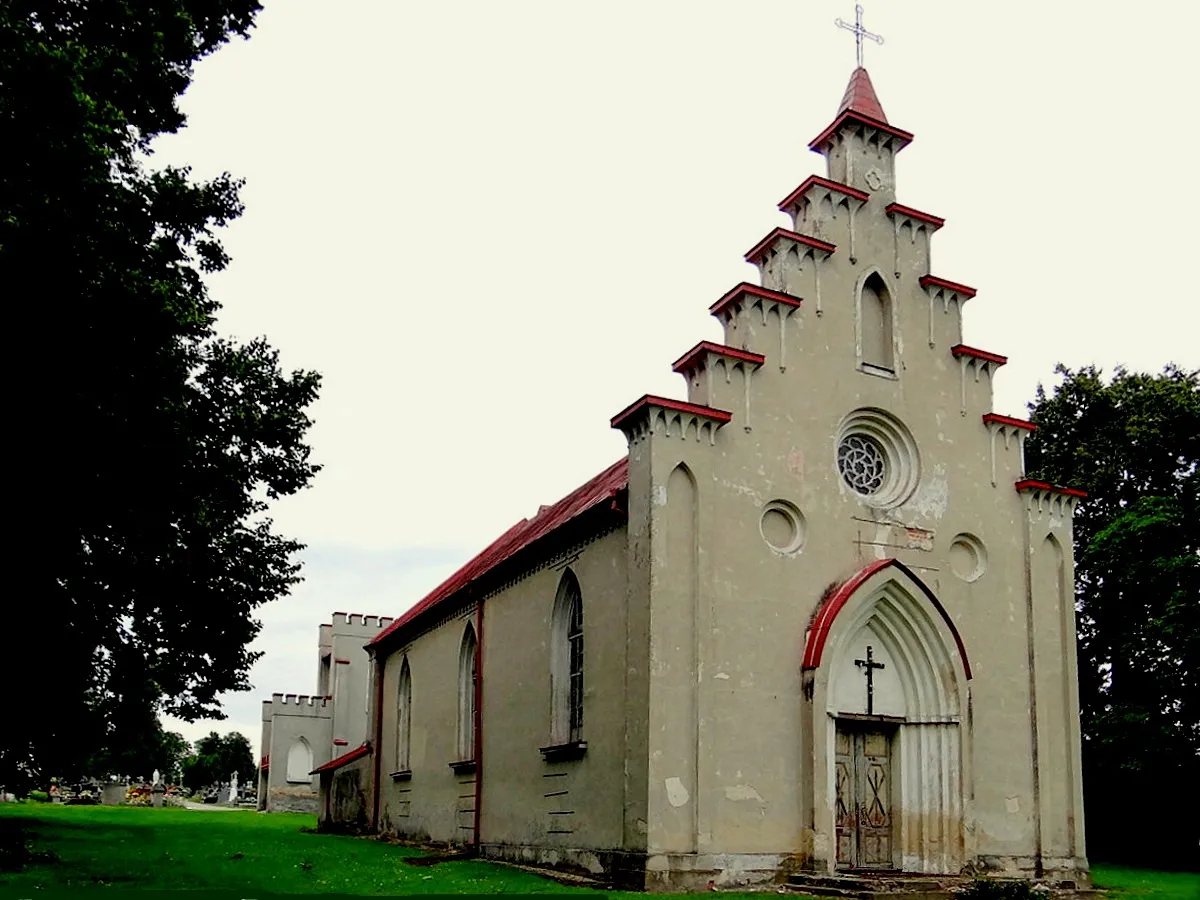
(434, 803)
(535, 810)
(532, 810)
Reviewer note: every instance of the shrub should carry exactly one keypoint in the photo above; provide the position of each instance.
(40, 796)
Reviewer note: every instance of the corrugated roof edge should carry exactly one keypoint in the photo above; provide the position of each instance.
(549, 519)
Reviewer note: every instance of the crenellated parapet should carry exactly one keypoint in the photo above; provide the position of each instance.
(670, 418)
(298, 705)
(342, 621)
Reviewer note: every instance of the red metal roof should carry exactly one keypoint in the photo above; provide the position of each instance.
(860, 97)
(549, 518)
(357, 753)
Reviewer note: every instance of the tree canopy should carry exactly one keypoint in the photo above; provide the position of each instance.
(157, 443)
(1133, 443)
(216, 759)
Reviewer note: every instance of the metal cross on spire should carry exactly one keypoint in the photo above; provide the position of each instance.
(859, 32)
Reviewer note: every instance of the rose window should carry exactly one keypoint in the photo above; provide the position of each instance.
(862, 463)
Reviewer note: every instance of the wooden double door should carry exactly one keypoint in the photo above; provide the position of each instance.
(863, 810)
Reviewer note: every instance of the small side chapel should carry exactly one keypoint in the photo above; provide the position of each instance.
(816, 620)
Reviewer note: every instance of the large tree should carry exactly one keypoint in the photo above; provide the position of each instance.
(1133, 443)
(146, 448)
(216, 759)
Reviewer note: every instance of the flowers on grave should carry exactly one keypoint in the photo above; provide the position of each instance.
(138, 795)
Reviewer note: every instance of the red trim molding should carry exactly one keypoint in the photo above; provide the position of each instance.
(902, 210)
(695, 409)
(813, 181)
(346, 758)
(818, 633)
(782, 233)
(960, 350)
(996, 418)
(690, 359)
(754, 291)
(927, 280)
(340, 742)
(850, 116)
(1029, 484)
(342, 662)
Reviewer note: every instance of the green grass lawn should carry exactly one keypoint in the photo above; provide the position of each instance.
(228, 850)
(1144, 884)
(96, 847)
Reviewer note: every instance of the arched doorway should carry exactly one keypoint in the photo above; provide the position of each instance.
(887, 682)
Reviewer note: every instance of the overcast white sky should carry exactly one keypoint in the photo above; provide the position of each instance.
(490, 226)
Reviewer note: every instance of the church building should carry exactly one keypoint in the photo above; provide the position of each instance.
(817, 619)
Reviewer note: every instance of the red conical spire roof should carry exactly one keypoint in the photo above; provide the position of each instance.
(860, 97)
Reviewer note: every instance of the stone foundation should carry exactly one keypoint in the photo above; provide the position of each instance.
(301, 800)
(632, 871)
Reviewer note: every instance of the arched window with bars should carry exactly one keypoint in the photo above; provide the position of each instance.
(404, 718)
(566, 661)
(468, 673)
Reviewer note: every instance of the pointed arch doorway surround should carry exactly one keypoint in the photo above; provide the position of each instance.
(887, 696)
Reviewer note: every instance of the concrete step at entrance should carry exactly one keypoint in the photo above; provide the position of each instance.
(889, 886)
(898, 886)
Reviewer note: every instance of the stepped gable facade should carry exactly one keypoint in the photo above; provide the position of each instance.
(817, 620)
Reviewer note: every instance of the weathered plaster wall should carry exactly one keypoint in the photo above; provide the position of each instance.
(345, 804)
(742, 678)
(527, 802)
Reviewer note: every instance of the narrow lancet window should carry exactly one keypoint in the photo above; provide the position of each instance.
(566, 676)
(404, 718)
(875, 325)
(467, 676)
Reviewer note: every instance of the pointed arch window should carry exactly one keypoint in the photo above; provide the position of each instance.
(404, 718)
(468, 674)
(300, 762)
(567, 663)
(876, 345)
